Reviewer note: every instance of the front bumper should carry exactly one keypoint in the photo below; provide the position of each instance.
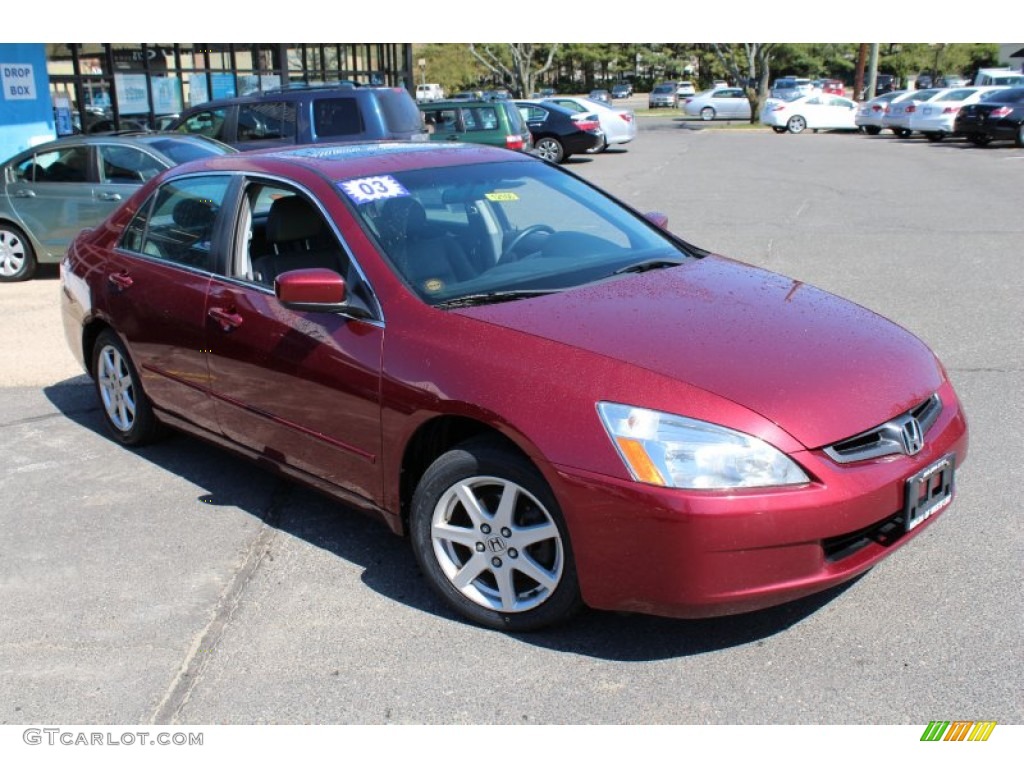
(691, 554)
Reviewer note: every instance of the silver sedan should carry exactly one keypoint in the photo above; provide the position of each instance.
(719, 104)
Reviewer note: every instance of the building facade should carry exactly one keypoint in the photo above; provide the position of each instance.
(52, 89)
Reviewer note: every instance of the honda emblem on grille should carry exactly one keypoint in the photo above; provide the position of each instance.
(911, 436)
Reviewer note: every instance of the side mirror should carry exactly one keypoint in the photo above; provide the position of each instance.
(660, 220)
(315, 290)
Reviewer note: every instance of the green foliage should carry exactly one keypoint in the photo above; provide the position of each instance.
(450, 65)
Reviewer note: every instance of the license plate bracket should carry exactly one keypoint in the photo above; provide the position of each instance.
(928, 491)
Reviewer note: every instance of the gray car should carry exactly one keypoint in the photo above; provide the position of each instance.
(49, 193)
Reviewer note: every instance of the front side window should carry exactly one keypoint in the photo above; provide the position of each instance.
(178, 223)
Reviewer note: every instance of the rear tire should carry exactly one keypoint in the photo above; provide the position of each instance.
(872, 130)
(550, 149)
(796, 124)
(708, 113)
(979, 139)
(935, 136)
(1018, 140)
(126, 409)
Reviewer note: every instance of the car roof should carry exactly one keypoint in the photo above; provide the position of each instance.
(293, 94)
(352, 160)
(126, 138)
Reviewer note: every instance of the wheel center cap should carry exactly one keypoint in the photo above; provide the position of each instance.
(496, 544)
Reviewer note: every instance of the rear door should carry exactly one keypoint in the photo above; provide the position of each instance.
(54, 193)
(155, 292)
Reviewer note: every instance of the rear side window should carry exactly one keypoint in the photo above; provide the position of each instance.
(177, 226)
(338, 117)
(480, 118)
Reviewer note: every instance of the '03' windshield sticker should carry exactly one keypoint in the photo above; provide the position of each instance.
(372, 188)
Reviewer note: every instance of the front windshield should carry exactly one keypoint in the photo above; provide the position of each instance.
(502, 228)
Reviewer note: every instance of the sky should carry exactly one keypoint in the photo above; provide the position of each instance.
(418, 21)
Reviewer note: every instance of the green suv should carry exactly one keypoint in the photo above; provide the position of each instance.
(478, 121)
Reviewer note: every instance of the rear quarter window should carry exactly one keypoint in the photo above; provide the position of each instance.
(401, 115)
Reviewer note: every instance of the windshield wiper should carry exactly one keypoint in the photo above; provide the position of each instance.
(647, 265)
(492, 297)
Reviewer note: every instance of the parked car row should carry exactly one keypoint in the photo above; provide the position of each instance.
(981, 114)
(555, 128)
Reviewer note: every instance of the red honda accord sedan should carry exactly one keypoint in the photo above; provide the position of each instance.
(556, 399)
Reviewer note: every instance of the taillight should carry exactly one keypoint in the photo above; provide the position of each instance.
(587, 125)
(886, 109)
(877, 108)
(950, 110)
(910, 108)
(626, 116)
(1000, 112)
(514, 142)
(778, 107)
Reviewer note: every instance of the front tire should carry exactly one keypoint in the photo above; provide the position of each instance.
(550, 149)
(126, 409)
(17, 258)
(778, 129)
(489, 536)
(1018, 140)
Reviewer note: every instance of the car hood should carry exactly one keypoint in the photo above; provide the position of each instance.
(820, 367)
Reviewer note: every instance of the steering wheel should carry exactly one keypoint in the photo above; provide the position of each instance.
(506, 255)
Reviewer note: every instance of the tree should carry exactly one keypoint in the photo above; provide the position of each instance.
(452, 66)
(749, 67)
(513, 63)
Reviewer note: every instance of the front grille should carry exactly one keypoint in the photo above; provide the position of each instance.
(888, 438)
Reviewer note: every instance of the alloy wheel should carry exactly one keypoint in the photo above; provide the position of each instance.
(497, 544)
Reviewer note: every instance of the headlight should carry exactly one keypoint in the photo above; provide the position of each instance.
(665, 449)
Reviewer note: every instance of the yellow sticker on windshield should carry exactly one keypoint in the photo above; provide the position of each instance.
(501, 197)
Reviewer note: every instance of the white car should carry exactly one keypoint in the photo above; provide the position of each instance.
(719, 104)
(685, 88)
(618, 125)
(818, 111)
(869, 116)
(897, 116)
(935, 118)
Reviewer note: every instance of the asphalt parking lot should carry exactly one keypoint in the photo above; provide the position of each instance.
(179, 585)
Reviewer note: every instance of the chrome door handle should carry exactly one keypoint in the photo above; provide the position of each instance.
(113, 196)
(24, 193)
